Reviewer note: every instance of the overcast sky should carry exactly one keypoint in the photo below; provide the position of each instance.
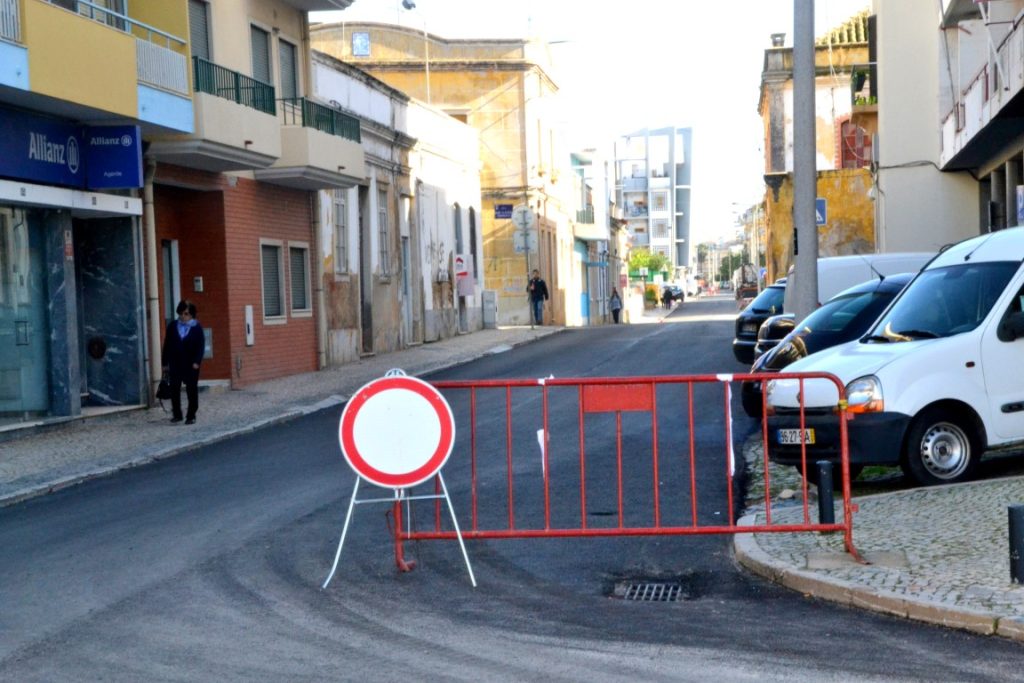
(624, 66)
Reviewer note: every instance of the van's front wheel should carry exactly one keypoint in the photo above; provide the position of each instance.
(942, 447)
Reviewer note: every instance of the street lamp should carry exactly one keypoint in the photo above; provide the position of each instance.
(410, 5)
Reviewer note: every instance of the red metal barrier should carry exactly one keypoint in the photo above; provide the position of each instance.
(562, 409)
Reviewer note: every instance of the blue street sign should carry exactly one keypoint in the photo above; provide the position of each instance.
(820, 211)
(503, 211)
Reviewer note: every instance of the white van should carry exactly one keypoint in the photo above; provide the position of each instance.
(934, 383)
(838, 273)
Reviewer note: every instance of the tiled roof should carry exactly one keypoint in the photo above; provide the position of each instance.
(853, 30)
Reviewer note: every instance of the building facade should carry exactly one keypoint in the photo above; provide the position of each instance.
(235, 202)
(502, 89)
(72, 302)
(653, 170)
(845, 123)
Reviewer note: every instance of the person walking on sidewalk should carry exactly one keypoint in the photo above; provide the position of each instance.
(615, 305)
(184, 346)
(538, 290)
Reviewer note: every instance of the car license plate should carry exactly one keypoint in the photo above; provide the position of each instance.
(792, 436)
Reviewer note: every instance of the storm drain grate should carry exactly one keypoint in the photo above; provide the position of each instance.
(647, 591)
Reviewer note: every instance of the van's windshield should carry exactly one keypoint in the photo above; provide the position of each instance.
(943, 302)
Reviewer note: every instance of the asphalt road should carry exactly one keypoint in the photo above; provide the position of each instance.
(208, 566)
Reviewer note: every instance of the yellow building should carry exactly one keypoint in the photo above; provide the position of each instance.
(846, 120)
(503, 89)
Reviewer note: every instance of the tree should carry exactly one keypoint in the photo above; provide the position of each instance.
(643, 258)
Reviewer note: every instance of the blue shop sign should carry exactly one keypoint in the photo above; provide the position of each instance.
(113, 157)
(59, 153)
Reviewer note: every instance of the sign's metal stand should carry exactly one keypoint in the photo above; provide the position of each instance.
(401, 495)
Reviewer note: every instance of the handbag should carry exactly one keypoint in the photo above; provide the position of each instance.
(163, 390)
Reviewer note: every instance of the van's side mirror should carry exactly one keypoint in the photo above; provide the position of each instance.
(1012, 327)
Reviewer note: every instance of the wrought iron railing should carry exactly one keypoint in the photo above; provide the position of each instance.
(214, 79)
(10, 21)
(299, 111)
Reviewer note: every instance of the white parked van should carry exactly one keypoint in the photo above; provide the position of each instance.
(838, 273)
(937, 380)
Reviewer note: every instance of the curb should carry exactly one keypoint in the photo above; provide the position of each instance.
(292, 413)
(750, 555)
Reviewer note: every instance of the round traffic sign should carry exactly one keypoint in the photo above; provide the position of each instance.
(523, 217)
(396, 431)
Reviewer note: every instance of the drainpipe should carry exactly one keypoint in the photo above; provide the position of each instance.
(318, 284)
(152, 282)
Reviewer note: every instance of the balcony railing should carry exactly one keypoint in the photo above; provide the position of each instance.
(585, 215)
(862, 85)
(299, 111)
(158, 63)
(214, 79)
(10, 21)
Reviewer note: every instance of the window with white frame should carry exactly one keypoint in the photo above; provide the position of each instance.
(272, 275)
(298, 270)
(383, 233)
(659, 201)
(663, 251)
(340, 232)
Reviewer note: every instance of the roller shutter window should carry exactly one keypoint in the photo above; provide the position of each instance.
(272, 299)
(261, 55)
(297, 259)
(199, 29)
(289, 73)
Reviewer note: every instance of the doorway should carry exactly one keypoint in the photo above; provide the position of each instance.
(365, 272)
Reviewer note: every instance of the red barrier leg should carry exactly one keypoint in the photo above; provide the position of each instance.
(400, 561)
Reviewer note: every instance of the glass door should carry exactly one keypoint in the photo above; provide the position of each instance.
(24, 329)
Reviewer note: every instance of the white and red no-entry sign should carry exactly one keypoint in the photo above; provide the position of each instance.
(397, 431)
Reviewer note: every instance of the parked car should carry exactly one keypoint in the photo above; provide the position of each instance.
(772, 331)
(936, 381)
(846, 316)
(672, 293)
(836, 273)
(765, 304)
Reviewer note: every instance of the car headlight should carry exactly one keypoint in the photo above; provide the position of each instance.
(769, 408)
(864, 395)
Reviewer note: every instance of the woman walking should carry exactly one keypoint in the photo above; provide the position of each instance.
(184, 347)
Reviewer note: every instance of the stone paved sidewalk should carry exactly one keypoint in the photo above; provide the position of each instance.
(938, 554)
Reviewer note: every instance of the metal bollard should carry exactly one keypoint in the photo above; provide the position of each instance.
(1015, 517)
(826, 509)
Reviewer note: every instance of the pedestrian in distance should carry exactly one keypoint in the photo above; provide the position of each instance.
(615, 305)
(666, 297)
(184, 346)
(538, 290)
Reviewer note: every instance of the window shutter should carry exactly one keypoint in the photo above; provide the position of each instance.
(289, 75)
(271, 281)
(261, 55)
(300, 301)
(199, 29)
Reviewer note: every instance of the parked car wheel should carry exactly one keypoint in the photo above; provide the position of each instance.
(942, 447)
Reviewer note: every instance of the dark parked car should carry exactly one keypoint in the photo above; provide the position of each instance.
(772, 331)
(765, 304)
(842, 318)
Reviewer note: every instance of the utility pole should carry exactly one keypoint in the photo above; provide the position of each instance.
(805, 175)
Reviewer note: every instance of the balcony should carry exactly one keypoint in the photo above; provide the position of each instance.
(320, 148)
(586, 229)
(983, 121)
(236, 125)
(863, 96)
(122, 68)
(634, 184)
(10, 21)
